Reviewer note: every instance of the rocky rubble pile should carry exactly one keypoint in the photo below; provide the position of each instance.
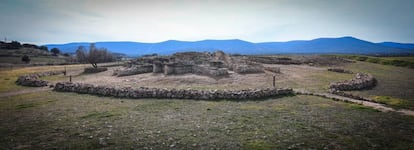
(142, 92)
(34, 79)
(361, 81)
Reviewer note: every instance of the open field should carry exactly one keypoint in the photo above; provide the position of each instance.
(393, 61)
(71, 121)
(393, 82)
(34, 60)
(53, 120)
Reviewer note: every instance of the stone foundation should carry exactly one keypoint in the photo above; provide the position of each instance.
(177, 69)
(142, 92)
(246, 69)
(361, 81)
(210, 71)
(157, 68)
(136, 69)
(34, 79)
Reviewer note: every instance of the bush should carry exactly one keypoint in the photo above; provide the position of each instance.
(55, 51)
(26, 59)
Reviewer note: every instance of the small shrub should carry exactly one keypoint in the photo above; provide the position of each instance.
(26, 59)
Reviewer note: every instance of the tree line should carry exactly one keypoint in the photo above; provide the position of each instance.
(17, 45)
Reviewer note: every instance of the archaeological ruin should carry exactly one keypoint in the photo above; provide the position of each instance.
(361, 81)
(217, 64)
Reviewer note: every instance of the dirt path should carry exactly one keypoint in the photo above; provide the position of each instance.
(374, 105)
(25, 91)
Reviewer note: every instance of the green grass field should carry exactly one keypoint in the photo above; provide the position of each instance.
(71, 121)
(393, 61)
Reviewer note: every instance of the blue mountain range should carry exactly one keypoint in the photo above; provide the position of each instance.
(342, 45)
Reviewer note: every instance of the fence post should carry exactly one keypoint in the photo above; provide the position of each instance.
(274, 79)
(70, 78)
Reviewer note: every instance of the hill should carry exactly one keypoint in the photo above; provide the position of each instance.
(398, 45)
(342, 45)
(12, 53)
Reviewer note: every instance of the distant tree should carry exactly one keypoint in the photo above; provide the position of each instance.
(30, 46)
(26, 59)
(55, 51)
(81, 54)
(66, 54)
(15, 45)
(94, 55)
(43, 48)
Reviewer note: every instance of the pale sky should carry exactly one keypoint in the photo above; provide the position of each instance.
(64, 21)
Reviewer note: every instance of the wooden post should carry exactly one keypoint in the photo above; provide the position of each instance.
(70, 78)
(64, 73)
(274, 79)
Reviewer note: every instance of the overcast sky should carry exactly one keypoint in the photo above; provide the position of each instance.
(63, 21)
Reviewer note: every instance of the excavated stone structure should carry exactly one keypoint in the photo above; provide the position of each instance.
(217, 64)
(361, 81)
(142, 92)
(34, 79)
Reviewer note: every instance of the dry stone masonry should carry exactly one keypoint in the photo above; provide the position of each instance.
(34, 79)
(217, 64)
(142, 92)
(361, 81)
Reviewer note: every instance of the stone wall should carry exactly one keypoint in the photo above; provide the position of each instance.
(177, 69)
(210, 71)
(246, 69)
(158, 67)
(34, 79)
(136, 69)
(361, 81)
(142, 92)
